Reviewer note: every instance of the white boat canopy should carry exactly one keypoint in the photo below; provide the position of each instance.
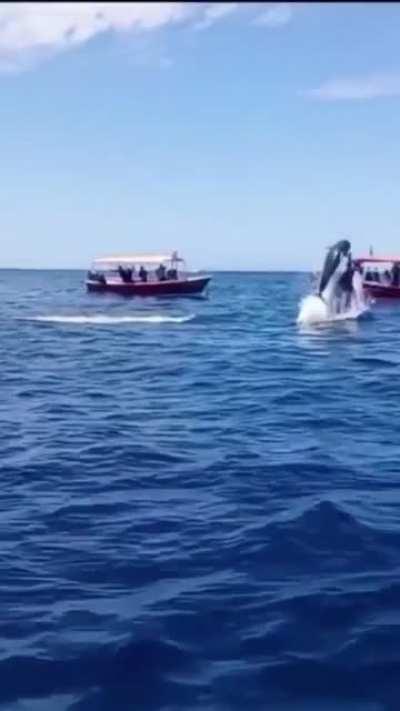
(137, 259)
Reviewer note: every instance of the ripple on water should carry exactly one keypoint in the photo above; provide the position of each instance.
(199, 501)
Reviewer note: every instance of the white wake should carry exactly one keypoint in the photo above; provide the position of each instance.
(100, 319)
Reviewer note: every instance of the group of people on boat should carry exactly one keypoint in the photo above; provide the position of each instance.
(162, 274)
(390, 277)
(128, 274)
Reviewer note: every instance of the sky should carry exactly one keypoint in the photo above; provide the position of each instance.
(246, 136)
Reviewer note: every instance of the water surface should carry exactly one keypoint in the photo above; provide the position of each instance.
(199, 501)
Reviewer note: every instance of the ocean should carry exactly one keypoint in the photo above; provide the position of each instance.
(199, 500)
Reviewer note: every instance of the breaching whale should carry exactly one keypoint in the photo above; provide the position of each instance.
(339, 292)
(336, 280)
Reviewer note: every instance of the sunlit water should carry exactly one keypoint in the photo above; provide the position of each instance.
(199, 500)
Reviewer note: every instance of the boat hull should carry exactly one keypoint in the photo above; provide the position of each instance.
(184, 287)
(380, 291)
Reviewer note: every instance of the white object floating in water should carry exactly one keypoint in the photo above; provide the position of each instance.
(112, 320)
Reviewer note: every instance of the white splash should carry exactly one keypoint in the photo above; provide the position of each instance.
(101, 319)
(314, 310)
(358, 297)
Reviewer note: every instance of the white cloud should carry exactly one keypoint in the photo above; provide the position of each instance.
(372, 86)
(214, 12)
(277, 15)
(28, 25)
(33, 30)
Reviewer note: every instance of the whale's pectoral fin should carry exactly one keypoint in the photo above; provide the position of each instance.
(331, 264)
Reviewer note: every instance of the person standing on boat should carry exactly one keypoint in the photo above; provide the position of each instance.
(142, 273)
(396, 274)
(125, 274)
(161, 273)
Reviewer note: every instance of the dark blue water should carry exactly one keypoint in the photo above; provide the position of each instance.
(199, 510)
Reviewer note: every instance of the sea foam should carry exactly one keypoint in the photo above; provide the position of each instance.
(103, 320)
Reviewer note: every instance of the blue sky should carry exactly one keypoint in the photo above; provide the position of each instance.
(245, 136)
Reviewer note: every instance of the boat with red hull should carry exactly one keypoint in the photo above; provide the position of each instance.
(158, 275)
(381, 276)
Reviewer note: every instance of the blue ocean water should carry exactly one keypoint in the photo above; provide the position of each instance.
(199, 501)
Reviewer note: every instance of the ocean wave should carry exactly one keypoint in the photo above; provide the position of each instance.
(199, 516)
(138, 664)
(104, 320)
